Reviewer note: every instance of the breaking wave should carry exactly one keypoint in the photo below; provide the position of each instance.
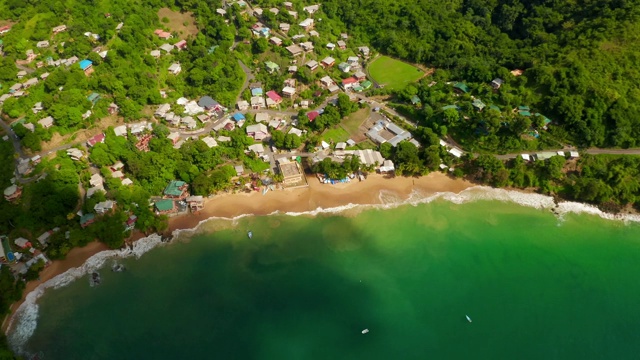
(24, 322)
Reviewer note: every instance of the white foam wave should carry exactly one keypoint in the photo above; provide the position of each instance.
(579, 208)
(24, 322)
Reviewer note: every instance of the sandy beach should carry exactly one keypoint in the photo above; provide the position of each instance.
(310, 198)
(319, 195)
(76, 257)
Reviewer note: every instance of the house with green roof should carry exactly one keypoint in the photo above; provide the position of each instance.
(478, 104)
(93, 98)
(546, 120)
(461, 87)
(165, 206)
(271, 67)
(87, 219)
(415, 100)
(176, 190)
(366, 84)
(447, 107)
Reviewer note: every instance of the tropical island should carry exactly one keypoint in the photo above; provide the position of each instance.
(119, 115)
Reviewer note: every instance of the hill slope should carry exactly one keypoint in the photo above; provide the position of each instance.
(579, 56)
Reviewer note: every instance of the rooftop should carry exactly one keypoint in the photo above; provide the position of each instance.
(173, 188)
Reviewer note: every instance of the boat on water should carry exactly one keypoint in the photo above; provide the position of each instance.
(94, 278)
(365, 331)
(250, 234)
(468, 318)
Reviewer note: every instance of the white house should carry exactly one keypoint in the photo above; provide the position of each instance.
(175, 68)
(46, 122)
(288, 91)
(258, 131)
(243, 105)
(307, 24)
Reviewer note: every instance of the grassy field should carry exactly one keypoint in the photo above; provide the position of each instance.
(177, 21)
(393, 73)
(353, 122)
(336, 135)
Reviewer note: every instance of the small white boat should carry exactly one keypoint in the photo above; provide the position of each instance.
(250, 234)
(468, 318)
(365, 331)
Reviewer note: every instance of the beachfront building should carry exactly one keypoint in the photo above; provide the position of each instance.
(176, 190)
(291, 172)
(196, 203)
(165, 206)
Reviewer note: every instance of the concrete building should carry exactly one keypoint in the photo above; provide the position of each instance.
(290, 171)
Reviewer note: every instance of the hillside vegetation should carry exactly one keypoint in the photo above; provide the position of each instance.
(578, 56)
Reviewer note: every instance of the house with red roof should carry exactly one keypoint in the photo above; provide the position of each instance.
(181, 45)
(348, 83)
(162, 34)
(313, 115)
(273, 98)
(4, 29)
(95, 139)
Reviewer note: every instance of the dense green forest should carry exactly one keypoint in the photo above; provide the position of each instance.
(578, 57)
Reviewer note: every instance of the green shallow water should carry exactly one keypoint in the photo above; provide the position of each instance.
(305, 288)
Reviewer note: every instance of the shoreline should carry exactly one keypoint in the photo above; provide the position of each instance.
(375, 190)
(318, 195)
(75, 258)
(310, 198)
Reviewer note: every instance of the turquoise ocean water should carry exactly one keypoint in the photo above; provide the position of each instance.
(535, 286)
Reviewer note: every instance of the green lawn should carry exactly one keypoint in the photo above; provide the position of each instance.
(393, 73)
(336, 135)
(256, 165)
(352, 123)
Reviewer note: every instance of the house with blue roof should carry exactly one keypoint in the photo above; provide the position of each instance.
(85, 64)
(238, 117)
(257, 92)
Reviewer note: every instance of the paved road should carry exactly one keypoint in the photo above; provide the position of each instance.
(248, 77)
(25, 68)
(384, 107)
(16, 143)
(592, 151)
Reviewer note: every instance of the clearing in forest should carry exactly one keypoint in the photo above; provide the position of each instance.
(177, 21)
(393, 73)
